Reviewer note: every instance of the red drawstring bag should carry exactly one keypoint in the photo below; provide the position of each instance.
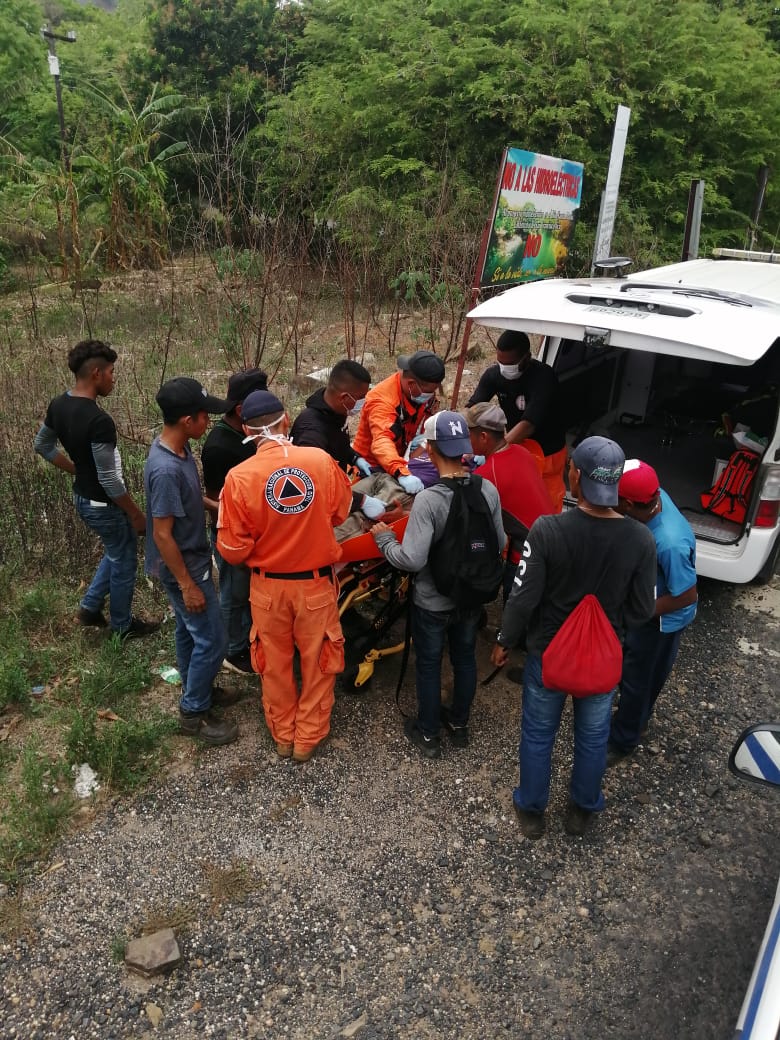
(585, 656)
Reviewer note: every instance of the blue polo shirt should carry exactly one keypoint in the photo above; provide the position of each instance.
(675, 546)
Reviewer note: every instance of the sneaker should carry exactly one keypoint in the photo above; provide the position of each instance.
(208, 728)
(283, 750)
(137, 629)
(459, 735)
(531, 823)
(577, 820)
(94, 618)
(241, 663)
(430, 747)
(221, 698)
(617, 754)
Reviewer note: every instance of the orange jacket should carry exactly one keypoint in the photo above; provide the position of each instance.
(388, 421)
(278, 513)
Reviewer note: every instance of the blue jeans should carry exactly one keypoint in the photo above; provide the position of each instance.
(115, 576)
(233, 600)
(648, 658)
(431, 630)
(542, 710)
(200, 644)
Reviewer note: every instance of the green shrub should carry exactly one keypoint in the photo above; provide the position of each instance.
(34, 811)
(123, 753)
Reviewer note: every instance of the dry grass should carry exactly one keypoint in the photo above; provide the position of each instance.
(224, 886)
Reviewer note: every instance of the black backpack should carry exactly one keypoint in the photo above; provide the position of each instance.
(466, 563)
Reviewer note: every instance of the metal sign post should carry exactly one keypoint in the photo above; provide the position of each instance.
(609, 199)
(690, 250)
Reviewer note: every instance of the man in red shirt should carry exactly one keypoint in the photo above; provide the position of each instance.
(515, 474)
(277, 514)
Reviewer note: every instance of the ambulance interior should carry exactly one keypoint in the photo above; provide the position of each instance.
(675, 413)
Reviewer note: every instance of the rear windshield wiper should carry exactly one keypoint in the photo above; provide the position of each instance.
(685, 290)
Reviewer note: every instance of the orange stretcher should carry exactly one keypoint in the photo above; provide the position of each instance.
(373, 597)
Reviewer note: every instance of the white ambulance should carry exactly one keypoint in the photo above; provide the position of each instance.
(681, 366)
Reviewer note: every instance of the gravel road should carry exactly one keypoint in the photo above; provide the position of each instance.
(373, 894)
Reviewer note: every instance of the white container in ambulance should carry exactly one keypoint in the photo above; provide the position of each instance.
(681, 366)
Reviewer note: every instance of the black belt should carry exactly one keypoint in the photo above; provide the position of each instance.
(321, 572)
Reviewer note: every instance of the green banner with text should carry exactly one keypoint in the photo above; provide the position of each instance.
(536, 209)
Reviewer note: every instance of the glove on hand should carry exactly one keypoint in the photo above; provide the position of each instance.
(410, 484)
(479, 460)
(373, 508)
(363, 466)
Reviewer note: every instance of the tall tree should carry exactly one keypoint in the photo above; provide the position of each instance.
(389, 93)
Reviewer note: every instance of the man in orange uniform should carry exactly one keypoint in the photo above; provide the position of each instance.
(277, 514)
(393, 413)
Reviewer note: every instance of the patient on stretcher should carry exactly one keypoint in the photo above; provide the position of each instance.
(379, 485)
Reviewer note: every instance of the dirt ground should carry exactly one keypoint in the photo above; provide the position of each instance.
(371, 893)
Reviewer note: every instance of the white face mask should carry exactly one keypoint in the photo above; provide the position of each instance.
(509, 371)
(264, 434)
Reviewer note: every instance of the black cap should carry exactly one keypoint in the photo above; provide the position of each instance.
(242, 383)
(185, 396)
(423, 364)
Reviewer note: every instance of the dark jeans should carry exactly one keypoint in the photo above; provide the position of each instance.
(200, 644)
(233, 600)
(431, 631)
(648, 658)
(115, 576)
(542, 710)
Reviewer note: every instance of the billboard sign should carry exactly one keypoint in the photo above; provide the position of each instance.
(537, 204)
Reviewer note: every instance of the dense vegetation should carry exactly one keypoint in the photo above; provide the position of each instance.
(321, 171)
(209, 124)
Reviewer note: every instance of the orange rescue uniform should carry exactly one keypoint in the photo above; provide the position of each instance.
(388, 422)
(277, 514)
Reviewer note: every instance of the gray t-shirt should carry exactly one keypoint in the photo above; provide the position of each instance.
(172, 486)
(427, 519)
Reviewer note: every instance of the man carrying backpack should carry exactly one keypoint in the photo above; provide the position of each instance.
(453, 543)
(589, 551)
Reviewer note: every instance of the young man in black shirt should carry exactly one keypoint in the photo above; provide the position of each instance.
(323, 423)
(592, 549)
(88, 435)
(223, 449)
(527, 391)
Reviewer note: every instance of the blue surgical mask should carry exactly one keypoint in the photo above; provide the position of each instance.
(421, 398)
(357, 407)
(509, 371)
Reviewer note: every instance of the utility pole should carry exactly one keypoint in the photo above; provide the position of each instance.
(54, 69)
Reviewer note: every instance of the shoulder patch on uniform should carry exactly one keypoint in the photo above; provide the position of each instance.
(289, 490)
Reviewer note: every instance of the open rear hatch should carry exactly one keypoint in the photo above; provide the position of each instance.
(666, 362)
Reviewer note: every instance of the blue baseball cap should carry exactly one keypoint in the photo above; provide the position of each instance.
(260, 402)
(450, 431)
(600, 462)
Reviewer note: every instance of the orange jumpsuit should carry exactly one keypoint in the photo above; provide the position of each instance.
(388, 422)
(277, 516)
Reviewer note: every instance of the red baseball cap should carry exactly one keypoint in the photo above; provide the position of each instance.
(639, 482)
